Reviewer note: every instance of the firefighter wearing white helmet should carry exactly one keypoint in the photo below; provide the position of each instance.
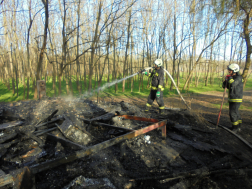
(234, 83)
(157, 88)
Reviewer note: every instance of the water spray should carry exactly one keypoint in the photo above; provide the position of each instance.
(177, 89)
(113, 83)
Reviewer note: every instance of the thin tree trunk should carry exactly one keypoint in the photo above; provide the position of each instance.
(126, 50)
(46, 3)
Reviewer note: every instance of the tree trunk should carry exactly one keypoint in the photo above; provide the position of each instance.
(246, 32)
(93, 47)
(126, 50)
(54, 80)
(45, 2)
(174, 43)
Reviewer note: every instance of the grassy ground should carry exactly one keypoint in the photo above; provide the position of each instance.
(7, 96)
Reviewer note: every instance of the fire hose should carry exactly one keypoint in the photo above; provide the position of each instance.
(145, 69)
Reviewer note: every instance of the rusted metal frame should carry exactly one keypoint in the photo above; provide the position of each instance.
(147, 120)
(140, 118)
(7, 179)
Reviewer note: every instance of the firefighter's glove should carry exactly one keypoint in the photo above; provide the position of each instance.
(227, 77)
(145, 73)
(158, 94)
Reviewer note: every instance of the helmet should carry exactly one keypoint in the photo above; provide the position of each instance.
(158, 62)
(234, 67)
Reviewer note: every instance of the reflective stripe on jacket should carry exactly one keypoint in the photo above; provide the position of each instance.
(157, 82)
(235, 88)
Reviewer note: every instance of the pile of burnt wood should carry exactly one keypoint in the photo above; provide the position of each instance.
(26, 150)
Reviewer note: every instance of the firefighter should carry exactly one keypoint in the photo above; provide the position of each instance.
(157, 88)
(234, 84)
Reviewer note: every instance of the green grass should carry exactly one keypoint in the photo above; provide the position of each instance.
(7, 96)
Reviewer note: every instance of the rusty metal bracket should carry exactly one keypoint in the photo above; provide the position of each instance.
(146, 120)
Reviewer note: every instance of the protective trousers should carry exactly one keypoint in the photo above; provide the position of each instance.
(152, 97)
(234, 113)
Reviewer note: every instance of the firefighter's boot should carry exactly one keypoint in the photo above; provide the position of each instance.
(161, 111)
(147, 108)
(235, 128)
(239, 127)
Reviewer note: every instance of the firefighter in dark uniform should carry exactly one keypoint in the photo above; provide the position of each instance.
(157, 88)
(234, 84)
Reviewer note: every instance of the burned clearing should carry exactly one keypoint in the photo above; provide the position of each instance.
(78, 143)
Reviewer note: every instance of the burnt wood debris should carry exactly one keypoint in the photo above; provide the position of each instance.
(72, 143)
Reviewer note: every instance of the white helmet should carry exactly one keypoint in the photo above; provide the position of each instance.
(158, 62)
(234, 67)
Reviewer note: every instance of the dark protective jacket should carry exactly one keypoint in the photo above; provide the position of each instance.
(157, 82)
(235, 88)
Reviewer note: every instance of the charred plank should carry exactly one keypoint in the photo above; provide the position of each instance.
(73, 133)
(197, 145)
(10, 124)
(49, 122)
(48, 118)
(8, 137)
(41, 132)
(66, 142)
(104, 124)
(105, 117)
(81, 153)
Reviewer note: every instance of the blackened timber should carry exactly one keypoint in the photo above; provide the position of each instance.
(197, 145)
(2, 173)
(6, 179)
(48, 118)
(37, 139)
(82, 153)
(201, 172)
(34, 137)
(140, 118)
(105, 117)
(65, 126)
(66, 142)
(104, 124)
(93, 149)
(41, 132)
(10, 124)
(42, 128)
(8, 137)
(46, 123)
(7, 145)
(111, 126)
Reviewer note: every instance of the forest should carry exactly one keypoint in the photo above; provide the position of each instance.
(90, 42)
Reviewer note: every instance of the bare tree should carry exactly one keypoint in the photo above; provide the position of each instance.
(41, 55)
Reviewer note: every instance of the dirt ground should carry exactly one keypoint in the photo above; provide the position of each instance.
(195, 154)
(202, 104)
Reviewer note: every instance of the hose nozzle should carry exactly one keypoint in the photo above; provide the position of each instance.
(141, 71)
